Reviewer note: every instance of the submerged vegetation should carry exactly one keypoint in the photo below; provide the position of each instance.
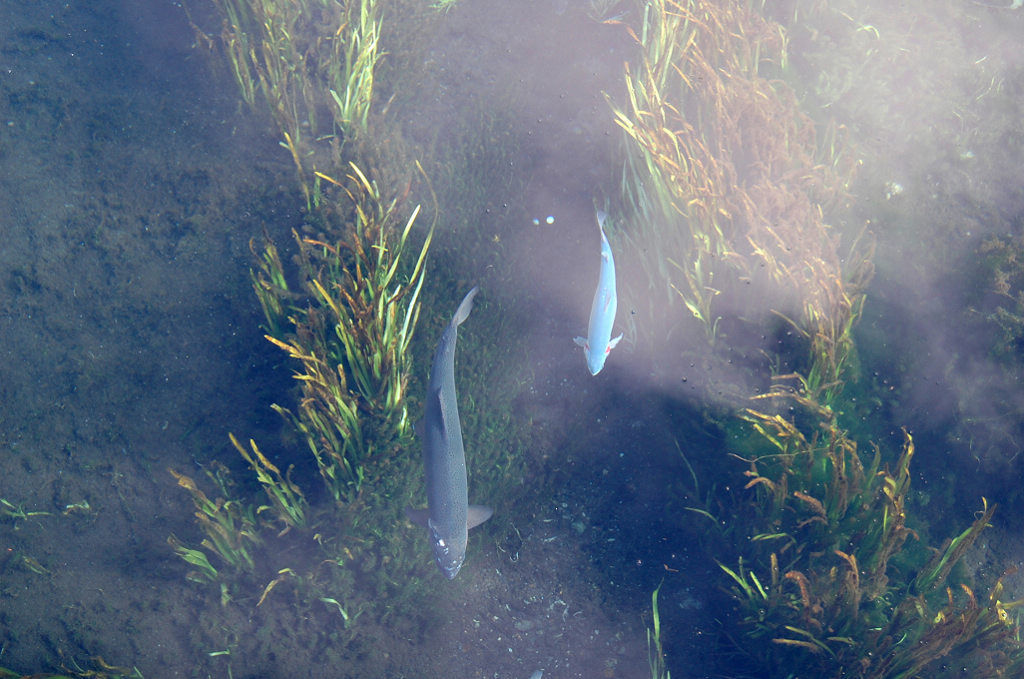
(100, 670)
(312, 64)
(344, 309)
(827, 583)
(299, 557)
(987, 407)
(344, 315)
(345, 323)
(731, 202)
(352, 340)
(655, 653)
(728, 189)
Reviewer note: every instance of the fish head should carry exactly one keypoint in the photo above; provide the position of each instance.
(595, 359)
(449, 552)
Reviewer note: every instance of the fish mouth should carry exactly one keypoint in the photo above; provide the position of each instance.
(451, 570)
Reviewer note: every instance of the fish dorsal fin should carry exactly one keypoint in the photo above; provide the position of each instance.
(462, 313)
(477, 514)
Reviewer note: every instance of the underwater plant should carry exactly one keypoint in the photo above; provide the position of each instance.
(728, 187)
(443, 5)
(604, 11)
(345, 317)
(102, 670)
(230, 527)
(827, 585)
(655, 653)
(351, 339)
(1002, 260)
(302, 58)
(287, 502)
(9, 510)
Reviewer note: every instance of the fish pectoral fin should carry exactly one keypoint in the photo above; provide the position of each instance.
(421, 517)
(611, 344)
(581, 341)
(477, 514)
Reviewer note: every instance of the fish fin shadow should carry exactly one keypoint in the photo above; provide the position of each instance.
(478, 514)
(418, 516)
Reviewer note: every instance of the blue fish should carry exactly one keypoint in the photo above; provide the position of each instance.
(448, 516)
(598, 342)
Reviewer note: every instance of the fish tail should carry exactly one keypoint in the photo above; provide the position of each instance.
(462, 313)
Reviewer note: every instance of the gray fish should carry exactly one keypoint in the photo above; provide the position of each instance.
(448, 516)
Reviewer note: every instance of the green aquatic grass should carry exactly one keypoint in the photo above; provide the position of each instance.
(287, 502)
(343, 311)
(655, 653)
(833, 581)
(9, 510)
(351, 342)
(301, 59)
(727, 189)
(230, 528)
